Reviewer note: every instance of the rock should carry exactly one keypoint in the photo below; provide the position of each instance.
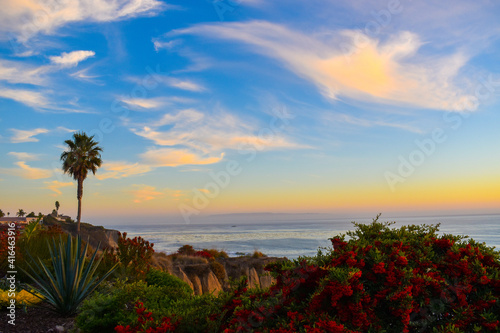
(266, 280)
(177, 271)
(112, 236)
(253, 278)
(197, 287)
(210, 284)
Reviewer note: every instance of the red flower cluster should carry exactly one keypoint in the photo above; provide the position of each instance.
(393, 281)
(146, 323)
(203, 254)
(135, 253)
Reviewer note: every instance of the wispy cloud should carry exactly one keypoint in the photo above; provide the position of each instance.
(209, 134)
(27, 135)
(22, 156)
(71, 59)
(389, 71)
(143, 193)
(117, 170)
(185, 84)
(55, 186)
(27, 172)
(30, 17)
(18, 72)
(28, 97)
(84, 75)
(170, 81)
(145, 103)
(342, 119)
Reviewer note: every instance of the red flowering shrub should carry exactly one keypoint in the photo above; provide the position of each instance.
(147, 323)
(379, 280)
(135, 254)
(203, 254)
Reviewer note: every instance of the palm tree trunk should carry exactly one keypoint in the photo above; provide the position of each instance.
(79, 196)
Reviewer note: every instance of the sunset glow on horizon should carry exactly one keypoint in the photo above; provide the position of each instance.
(249, 106)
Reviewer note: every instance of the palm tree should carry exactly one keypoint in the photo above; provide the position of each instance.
(83, 155)
(21, 213)
(57, 207)
(2, 214)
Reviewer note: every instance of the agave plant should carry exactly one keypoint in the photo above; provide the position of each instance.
(71, 279)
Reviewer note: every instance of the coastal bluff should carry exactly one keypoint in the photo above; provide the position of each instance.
(96, 236)
(213, 277)
(203, 276)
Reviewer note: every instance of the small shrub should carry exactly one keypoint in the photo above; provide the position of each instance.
(135, 255)
(186, 250)
(216, 254)
(219, 270)
(203, 254)
(163, 279)
(114, 305)
(257, 254)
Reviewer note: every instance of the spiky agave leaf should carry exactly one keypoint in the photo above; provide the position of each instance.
(70, 280)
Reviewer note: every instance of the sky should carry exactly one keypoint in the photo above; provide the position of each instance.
(210, 107)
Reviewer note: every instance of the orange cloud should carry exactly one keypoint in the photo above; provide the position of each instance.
(117, 170)
(27, 172)
(175, 157)
(55, 185)
(143, 193)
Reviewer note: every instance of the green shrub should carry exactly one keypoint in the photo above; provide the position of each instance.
(114, 305)
(219, 270)
(186, 250)
(163, 279)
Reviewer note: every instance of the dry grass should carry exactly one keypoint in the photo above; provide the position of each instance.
(162, 261)
(181, 259)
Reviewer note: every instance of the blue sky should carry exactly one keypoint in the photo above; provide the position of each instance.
(215, 107)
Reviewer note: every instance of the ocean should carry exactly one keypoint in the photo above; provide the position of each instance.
(292, 239)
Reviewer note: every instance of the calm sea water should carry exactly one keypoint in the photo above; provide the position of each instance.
(295, 238)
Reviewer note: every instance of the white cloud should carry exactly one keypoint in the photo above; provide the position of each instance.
(27, 172)
(22, 156)
(27, 135)
(28, 97)
(64, 129)
(30, 17)
(353, 65)
(85, 76)
(144, 103)
(211, 134)
(117, 170)
(143, 193)
(71, 59)
(55, 186)
(185, 85)
(17, 72)
(166, 45)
